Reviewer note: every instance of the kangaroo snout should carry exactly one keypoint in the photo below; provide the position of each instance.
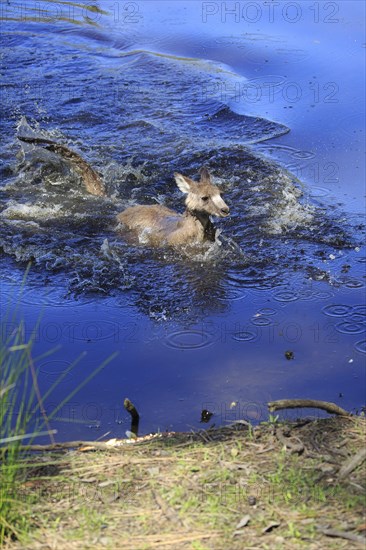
(219, 207)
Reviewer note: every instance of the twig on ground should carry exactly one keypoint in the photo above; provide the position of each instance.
(285, 440)
(168, 511)
(342, 535)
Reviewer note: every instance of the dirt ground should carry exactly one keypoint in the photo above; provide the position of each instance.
(277, 486)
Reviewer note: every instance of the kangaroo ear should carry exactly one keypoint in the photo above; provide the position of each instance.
(205, 175)
(184, 183)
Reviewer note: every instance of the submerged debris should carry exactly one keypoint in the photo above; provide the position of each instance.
(206, 416)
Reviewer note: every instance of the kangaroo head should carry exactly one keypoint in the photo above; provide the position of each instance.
(202, 196)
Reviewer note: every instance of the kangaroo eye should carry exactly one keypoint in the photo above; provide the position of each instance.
(205, 199)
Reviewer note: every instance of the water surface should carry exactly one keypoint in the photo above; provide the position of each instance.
(273, 111)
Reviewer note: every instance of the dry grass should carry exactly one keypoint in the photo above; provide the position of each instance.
(190, 491)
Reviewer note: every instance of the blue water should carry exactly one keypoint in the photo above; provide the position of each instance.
(271, 99)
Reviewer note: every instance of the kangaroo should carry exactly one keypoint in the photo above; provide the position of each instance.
(157, 225)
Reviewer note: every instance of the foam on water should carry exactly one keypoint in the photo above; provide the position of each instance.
(25, 211)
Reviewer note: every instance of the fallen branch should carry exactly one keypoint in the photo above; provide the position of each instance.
(342, 535)
(331, 408)
(352, 463)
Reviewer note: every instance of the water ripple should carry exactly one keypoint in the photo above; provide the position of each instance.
(54, 368)
(267, 311)
(51, 298)
(245, 336)
(361, 346)
(354, 283)
(347, 327)
(189, 339)
(357, 318)
(261, 321)
(286, 296)
(233, 294)
(337, 310)
(319, 192)
(360, 310)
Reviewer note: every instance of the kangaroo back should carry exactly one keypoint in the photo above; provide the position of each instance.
(92, 181)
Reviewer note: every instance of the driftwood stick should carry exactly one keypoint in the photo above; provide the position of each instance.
(307, 403)
(351, 464)
(98, 445)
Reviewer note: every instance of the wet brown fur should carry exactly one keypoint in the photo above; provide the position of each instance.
(156, 225)
(91, 179)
